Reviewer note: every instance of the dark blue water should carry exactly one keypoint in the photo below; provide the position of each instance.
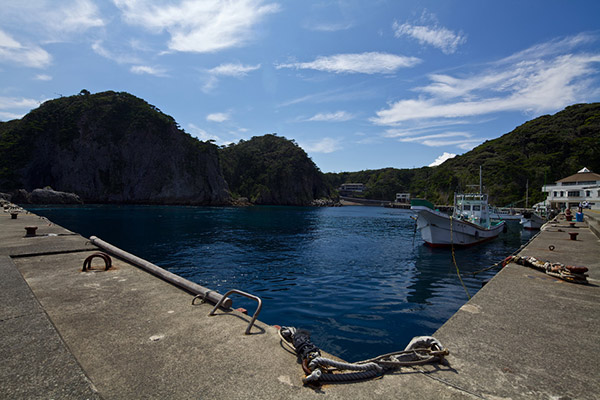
(358, 278)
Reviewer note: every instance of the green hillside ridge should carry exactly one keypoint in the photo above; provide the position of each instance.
(113, 147)
(540, 151)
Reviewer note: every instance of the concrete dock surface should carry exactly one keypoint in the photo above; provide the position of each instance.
(125, 334)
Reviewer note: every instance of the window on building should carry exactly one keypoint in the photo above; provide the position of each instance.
(562, 193)
(573, 193)
(555, 194)
(588, 193)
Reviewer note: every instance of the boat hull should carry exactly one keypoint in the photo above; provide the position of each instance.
(440, 230)
(532, 223)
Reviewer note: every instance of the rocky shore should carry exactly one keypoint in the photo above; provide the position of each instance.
(40, 196)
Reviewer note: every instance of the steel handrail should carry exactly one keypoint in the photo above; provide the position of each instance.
(248, 295)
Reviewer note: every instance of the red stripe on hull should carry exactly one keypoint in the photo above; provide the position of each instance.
(441, 245)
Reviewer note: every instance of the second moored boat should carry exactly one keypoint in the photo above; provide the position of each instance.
(469, 224)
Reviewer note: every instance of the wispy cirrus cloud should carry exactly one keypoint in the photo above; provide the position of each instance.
(145, 69)
(200, 26)
(218, 117)
(358, 63)
(324, 145)
(231, 69)
(428, 31)
(43, 77)
(12, 51)
(201, 134)
(235, 70)
(328, 26)
(524, 82)
(444, 39)
(121, 57)
(51, 20)
(462, 140)
(338, 116)
(16, 107)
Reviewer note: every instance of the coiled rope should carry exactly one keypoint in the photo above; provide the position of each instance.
(420, 350)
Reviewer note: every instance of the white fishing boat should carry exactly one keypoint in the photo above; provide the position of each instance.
(506, 214)
(469, 224)
(532, 221)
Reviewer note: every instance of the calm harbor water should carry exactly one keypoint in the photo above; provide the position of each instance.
(359, 278)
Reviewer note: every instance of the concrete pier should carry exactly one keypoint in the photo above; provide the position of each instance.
(125, 334)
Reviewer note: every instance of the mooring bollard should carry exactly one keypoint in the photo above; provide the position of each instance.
(13, 215)
(30, 230)
(573, 235)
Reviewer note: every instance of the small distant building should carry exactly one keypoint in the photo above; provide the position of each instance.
(402, 198)
(580, 188)
(351, 189)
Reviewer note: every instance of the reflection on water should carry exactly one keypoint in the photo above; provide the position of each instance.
(359, 278)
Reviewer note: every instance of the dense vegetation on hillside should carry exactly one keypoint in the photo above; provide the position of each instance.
(115, 147)
(272, 170)
(109, 147)
(540, 151)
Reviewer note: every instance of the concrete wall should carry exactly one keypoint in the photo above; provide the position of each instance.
(592, 217)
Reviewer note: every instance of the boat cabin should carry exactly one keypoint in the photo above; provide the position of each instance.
(472, 207)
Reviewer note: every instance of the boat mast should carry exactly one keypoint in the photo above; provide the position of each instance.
(480, 185)
(527, 194)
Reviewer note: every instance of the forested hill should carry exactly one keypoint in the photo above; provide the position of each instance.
(271, 169)
(109, 147)
(540, 151)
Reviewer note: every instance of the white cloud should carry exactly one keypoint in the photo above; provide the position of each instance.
(119, 58)
(199, 26)
(217, 117)
(462, 140)
(14, 52)
(236, 70)
(50, 20)
(233, 70)
(436, 36)
(325, 145)
(144, 69)
(363, 63)
(328, 27)
(7, 116)
(527, 84)
(442, 158)
(338, 116)
(43, 77)
(73, 16)
(18, 103)
(202, 134)
(23, 105)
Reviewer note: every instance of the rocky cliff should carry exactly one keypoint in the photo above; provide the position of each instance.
(109, 147)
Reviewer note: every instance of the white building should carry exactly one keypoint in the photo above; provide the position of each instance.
(569, 192)
(352, 188)
(402, 197)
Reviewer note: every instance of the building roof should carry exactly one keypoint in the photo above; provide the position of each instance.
(584, 175)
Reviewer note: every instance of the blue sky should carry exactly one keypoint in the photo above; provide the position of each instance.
(358, 84)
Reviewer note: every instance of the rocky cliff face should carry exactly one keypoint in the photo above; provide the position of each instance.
(111, 147)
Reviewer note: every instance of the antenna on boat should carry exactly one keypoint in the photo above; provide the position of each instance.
(480, 185)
